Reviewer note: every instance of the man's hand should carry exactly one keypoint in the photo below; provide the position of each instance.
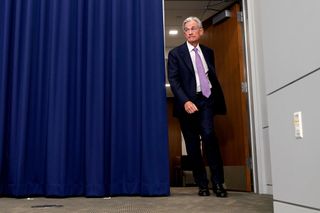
(190, 107)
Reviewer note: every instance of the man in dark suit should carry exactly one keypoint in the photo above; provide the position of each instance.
(198, 97)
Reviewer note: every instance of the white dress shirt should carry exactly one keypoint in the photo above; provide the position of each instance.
(193, 59)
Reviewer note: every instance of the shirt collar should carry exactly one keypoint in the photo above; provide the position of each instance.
(191, 47)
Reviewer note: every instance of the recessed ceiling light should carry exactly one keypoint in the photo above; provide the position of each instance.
(173, 32)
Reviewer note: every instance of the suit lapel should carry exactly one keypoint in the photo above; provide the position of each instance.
(186, 57)
(206, 56)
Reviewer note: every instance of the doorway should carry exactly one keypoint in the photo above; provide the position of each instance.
(225, 37)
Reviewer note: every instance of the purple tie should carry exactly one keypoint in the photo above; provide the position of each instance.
(204, 83)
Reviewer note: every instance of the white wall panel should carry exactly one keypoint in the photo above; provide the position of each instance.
(296, 162)
(291, 39)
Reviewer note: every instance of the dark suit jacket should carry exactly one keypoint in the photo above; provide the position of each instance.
(182, 79)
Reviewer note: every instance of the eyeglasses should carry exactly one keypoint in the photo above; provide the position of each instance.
(186, 30)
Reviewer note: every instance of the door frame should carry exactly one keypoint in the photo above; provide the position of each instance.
(260, 154)
(260, 150)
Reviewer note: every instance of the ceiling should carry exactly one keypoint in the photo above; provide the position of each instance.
(177, 10)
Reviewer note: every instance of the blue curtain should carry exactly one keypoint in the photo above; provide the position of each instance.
(82, 98)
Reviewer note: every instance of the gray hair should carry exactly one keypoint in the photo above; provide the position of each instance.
(192, 18)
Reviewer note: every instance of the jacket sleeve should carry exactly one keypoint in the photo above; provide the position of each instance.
(174, 77)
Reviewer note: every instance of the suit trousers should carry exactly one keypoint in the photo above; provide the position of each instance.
(198, 129)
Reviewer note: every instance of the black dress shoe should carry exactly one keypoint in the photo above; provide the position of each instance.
(219, 190)
(204, 192)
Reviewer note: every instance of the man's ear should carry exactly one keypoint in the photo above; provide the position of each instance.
(201, 31)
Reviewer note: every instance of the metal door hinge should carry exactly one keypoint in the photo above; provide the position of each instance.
(240, 16)
(249, 163)
(244, 87)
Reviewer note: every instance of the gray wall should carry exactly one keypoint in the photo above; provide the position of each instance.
(288, 51)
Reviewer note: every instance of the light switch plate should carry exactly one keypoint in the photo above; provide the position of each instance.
(297, 121)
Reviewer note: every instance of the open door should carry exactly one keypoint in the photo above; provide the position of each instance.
(226, 39)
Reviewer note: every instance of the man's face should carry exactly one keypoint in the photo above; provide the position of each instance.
(192, 32)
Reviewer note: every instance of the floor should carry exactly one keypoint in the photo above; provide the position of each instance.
(182, 199)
